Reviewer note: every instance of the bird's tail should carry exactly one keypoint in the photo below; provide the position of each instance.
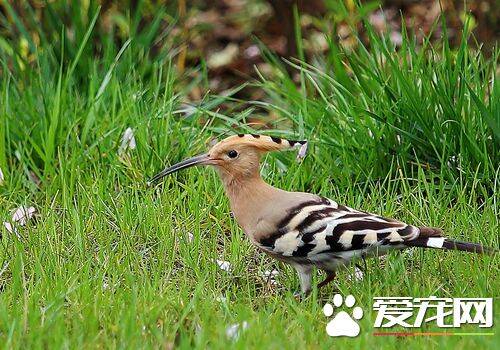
(431, 238)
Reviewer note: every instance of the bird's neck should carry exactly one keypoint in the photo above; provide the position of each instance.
(247, 196)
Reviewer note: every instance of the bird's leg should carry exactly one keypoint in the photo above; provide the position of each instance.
(330, 275)
(360, 267)
(304, 272)
(365, 266)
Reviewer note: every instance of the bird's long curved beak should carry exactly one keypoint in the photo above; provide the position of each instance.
(197, 160)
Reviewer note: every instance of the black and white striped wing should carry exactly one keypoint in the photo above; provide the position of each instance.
(322, 230)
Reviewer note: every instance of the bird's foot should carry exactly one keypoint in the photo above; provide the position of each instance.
(301, 296)
(330, 276)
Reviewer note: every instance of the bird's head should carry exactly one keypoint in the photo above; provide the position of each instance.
(236, 156)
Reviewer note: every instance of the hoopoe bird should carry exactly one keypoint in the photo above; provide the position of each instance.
(303, 229)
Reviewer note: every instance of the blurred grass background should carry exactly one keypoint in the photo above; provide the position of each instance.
(403, 118)
(397, 99)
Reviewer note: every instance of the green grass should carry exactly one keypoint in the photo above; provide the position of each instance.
(107, 262)
(419, 105)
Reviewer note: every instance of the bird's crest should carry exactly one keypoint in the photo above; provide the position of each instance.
(264, 143)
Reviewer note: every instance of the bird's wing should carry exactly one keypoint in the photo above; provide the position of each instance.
(314, 229)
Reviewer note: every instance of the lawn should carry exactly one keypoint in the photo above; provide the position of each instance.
(108, 262)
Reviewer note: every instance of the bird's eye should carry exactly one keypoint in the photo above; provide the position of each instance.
(232, 154)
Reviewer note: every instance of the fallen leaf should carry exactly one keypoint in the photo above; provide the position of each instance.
(409, 252)
(20, 217)
(198, 329)
(186, 109)
(270, 276)
(357, 276)
(23, 214)
(234, 330)
(396, 38)
(128, 141)
(224, 265)
(252, 52)
(221, 299)
(318, 42)
(8, 226)
(11, 229)
(302, 151)
(378, 21)
(105, 284)
(224, 57)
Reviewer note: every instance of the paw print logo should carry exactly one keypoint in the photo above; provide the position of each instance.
(343, 324)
